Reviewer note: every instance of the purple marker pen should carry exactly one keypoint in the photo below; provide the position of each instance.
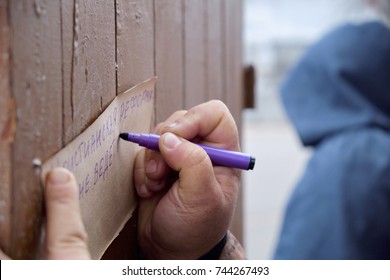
(219, 157)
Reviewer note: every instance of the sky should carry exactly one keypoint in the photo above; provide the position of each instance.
(276, 32)
(298, 19)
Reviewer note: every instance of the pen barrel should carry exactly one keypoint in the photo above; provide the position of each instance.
(222, 157)
(149, 141)
(218, 157)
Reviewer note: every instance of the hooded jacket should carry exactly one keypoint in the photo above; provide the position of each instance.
(338, 98)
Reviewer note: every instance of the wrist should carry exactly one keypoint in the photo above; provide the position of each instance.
(216, 251)
(233, 249)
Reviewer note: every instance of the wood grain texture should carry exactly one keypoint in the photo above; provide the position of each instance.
(92, 75)
(67, 30)
(232, 18)
(135, 42)
(233, 83)
(134, 29)
(194, 52)
(7, 129)
(169, 57)
(36, 87)
(214, 50)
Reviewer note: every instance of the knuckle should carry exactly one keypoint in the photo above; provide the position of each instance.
(192, 115)
(178, 114)
(219, 104)
(197, 157)
(155, 185)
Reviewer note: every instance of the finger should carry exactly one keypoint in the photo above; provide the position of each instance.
(214, 125)
(155, 168)
(3, 256)
(196, 172)
(156, 171)
(139, 175)
(211, 121)
(66, 236)
(171, 119)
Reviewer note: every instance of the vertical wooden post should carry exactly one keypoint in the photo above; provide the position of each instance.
(135, 42)
(92, 72)
(7, 128)
(214, 46)
(169, 57)
(134, 27)
(37, 90)
(194, 52)
(233, 82)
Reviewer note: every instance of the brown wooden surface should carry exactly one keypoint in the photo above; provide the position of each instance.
(67, 9)
(194, 52)
(135, 42)
(70, 58)
(7, 126)
(249, 80)
(169, 57)
(214, 45)
(36, 88)
(233, 82)
(93, 78)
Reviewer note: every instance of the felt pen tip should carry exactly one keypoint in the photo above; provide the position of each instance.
(124, 136)
(252, 163)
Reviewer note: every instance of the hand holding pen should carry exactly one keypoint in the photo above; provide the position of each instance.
(186, 204)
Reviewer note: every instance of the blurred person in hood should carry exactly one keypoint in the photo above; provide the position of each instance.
(338, 99)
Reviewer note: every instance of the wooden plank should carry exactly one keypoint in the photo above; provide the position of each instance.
(233, 57)
(7, 129)
(214, 50)
(134, 25)
(92, 75)
(36, 87)
(67, 30)
(238, 68)
(233, 83)
(135, 42)
(194, 53)
(169, 57)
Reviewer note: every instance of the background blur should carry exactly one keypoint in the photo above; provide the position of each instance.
(276, 33)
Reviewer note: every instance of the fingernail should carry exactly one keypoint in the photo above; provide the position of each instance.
(143, 191)
(151, 166)
(171, 140)
(59, 176)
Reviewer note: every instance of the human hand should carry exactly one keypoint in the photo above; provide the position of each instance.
(65, 234)
(186, 204)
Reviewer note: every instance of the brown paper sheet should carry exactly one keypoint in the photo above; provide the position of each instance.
(103, 165)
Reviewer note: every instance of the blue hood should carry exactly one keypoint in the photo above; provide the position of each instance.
(337, 86)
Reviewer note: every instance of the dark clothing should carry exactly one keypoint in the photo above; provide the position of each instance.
(338, 98)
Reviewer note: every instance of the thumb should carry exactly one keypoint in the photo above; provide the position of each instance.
(196, 173)
(65, 234)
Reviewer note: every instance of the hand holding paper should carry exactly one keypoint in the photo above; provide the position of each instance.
(65, 238)
(102, 165)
